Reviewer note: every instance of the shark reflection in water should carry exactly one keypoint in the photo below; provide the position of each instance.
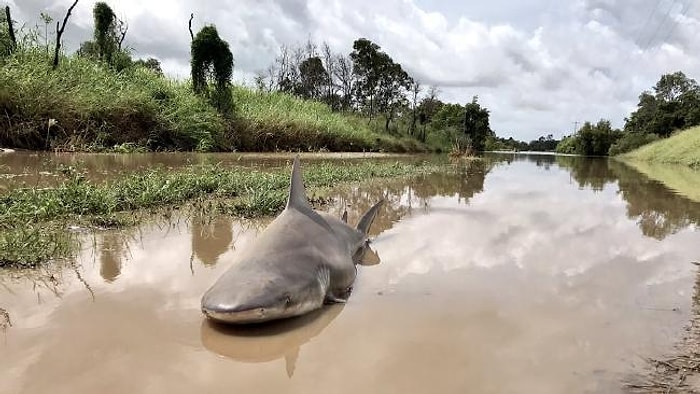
(268, 341)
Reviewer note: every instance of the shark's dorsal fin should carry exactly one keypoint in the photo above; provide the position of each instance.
(367, 219)
(297, 195)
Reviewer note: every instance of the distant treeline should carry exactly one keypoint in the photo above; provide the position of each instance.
(672, 105)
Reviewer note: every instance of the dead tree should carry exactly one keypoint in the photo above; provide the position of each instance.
(190, 26)
(10, 28)
(122, 28)
(59, 32)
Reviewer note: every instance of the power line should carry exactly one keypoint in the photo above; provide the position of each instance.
(644, 28)
(684, 10)
(658, 27)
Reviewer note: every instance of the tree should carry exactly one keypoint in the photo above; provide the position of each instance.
(59, 33)
(427, 109)
(591, 139)
(211, 57)
(312, 78)
(151, 63)
(476, 124)
(7, 36)
(105, 31)
(367, 60)
(344, 73)
(674, 104)
(394, 82)
(380, 82)
(9, 41)
(415, 91)
(330, 96)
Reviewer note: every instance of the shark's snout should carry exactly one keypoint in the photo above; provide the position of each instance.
(235, 315)
(222, 307)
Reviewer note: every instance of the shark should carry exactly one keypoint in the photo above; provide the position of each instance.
(301, 261)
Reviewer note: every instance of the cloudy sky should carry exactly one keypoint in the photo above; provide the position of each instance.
(538, 65)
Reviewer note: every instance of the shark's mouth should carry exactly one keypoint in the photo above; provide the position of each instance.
(254, 315)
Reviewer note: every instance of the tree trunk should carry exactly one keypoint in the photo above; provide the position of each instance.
(412, 130)
(59, 32)
(10, 28)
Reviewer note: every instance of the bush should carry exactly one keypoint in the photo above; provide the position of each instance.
(631, 141)
(567, 145)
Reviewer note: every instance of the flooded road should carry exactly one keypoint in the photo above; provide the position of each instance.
(520, 274)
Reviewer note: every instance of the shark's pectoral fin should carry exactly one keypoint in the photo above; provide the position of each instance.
(369, 256)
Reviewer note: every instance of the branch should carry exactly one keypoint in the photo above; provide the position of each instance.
(10, 28)
(190, 26)
(59, 33)
(123, 28)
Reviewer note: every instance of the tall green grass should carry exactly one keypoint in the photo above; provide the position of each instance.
(94, 106)
(273, 121)
(97, 108)
(681, 148)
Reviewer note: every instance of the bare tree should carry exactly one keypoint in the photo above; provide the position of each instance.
(344, 74)
(122, 28)
(415, 91)
(59, 32)
(329, 65)
(10, 27)
(310, 48)
(189, 25)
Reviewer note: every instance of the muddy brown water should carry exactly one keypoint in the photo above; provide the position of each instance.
(521, 274)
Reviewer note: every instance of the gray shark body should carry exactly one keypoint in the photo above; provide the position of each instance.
(302, 260)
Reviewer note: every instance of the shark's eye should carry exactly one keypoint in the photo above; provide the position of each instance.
(287, 300)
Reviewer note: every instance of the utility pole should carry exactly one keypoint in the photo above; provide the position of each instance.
(576, 126)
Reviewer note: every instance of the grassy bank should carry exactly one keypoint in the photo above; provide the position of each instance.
(682, 148)
(87, 106)
(33, 221)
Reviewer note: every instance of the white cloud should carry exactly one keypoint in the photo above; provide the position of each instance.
(538, 66)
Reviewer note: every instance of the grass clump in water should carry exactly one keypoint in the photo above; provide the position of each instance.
(29, 246)
(43, 214)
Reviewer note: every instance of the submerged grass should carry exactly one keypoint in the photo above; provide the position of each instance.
(33, 221)
(681, 148)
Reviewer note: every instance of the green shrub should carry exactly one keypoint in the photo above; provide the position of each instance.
(631, 141)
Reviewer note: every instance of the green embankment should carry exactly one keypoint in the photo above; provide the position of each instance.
(674, 161)
(96, 108)
(682, 148)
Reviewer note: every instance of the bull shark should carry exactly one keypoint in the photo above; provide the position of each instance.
(302, 260)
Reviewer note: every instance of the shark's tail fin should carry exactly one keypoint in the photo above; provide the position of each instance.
(366, 221)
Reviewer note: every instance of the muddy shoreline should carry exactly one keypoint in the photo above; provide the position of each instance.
(678, 372)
